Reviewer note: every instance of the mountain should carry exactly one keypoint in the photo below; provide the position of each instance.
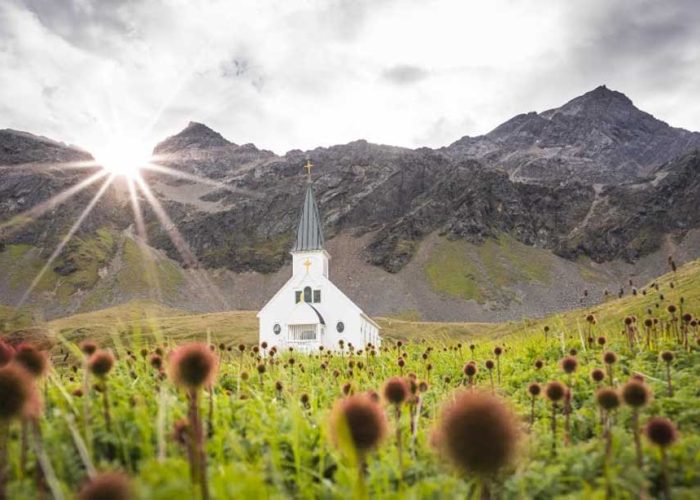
(21, 147)
(543, 213)
(599, 137)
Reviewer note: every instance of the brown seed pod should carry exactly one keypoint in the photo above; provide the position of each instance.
(395, 390)
(661, 431)
(364, 420)
(478, 433)
(636, 394)
(555, 391)
(107, 486)
(608, 398)
(193, 365)
(100, 363)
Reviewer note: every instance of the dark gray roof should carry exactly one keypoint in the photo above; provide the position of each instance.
(310, 230)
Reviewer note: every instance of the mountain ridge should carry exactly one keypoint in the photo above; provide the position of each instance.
(571, 201)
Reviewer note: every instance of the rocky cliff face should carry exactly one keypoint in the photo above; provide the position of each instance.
(596, 178)
(599, 137)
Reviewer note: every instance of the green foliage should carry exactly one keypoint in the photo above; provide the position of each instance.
(487, 271)
(265, 444)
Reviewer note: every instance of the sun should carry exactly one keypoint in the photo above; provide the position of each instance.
(123, 157)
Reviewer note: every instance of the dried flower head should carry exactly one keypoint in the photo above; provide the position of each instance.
(597, 375)
(555, 391)
(101, 363)
(667, 356)
(635, 394)
(607, 398)
(107, 486)
(569, 364)
(534, 389)
(363, 420)
(470, 369)
(88, 347)
(6, 353)
(395, 390)
(32, 359)
(661, 431)
(489, 364)
(17, 389)
(478, 433)
(539, 364)
(193, 365)
(609, 358)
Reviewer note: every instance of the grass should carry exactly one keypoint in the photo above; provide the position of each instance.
(487, 271)
(265, 444)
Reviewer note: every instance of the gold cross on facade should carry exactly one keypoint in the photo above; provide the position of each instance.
(307, 265)
(308, 168)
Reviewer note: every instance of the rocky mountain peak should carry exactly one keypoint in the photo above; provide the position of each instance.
(194, 136)
(22, 147)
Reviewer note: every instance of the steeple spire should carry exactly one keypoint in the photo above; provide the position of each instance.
(310, 230)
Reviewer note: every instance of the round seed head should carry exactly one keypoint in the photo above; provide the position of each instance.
(6, 353)
(423, 386)
(534, 389)
(107, 486)
(470, 369)
(608, 398)
(661, 431)
(597, 375)
(193, 365)
(17, 389)
(304, 399)
(497, 351)
(489, 364)
(602, 340)
(555, 391)
(363, 420)
(635, 394)
(609, 358)
(156, 361)
(261, 368)
(671, 308)
(395, 390)
(569, 364)
(667, 356)
(101, 363)
(539, 364)
(32, 359)
(478, 433)
(88, 347)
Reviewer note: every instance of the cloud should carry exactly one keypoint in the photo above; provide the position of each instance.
(404, 74)
(302, 74)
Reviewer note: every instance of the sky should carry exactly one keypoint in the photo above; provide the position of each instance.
(300, 74)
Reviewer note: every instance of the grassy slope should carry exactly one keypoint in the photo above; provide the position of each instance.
(485, 272)
(241, 326)
(269, 446)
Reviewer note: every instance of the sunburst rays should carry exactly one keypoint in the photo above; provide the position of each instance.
(136, 184)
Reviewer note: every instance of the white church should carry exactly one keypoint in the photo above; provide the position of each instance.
(309, 311)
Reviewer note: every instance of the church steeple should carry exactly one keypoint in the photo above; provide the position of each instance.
(310, 230)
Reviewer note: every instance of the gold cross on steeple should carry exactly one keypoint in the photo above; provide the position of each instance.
(308, 168)
(307, 265)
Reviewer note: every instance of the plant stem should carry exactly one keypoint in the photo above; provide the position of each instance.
(664, 474)
(105, 404)
(637, 440)
(554, 428)
(4, 436)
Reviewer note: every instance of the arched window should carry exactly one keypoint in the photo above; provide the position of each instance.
(307, 294)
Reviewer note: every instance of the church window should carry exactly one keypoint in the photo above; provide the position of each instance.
(317, 296)
(307, 294)
(277, 329)
(340, 326)
(297, 296)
